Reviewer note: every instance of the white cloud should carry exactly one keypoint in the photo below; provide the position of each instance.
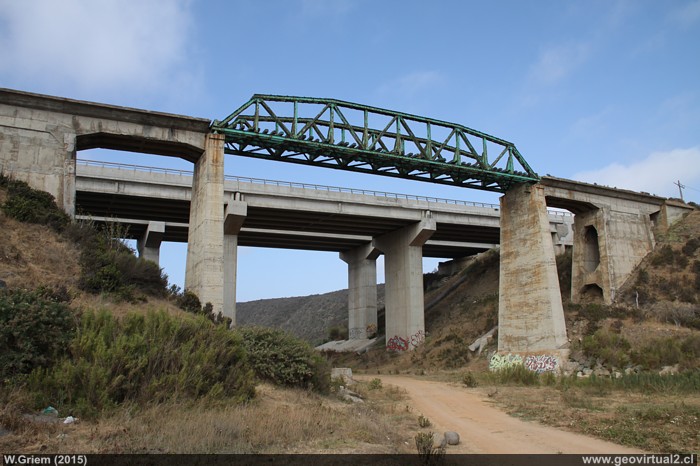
(95, 45)
(557, 62)
(654, 174)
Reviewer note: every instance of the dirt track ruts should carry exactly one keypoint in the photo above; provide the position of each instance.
(485, 429)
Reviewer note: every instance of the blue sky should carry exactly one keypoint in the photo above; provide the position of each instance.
(602, 91)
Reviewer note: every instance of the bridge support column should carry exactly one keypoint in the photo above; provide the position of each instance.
(403, 271)
(234, 216)
(530, 312)
(149, 244)
(362, 290)
(204, 274)
(608, 244)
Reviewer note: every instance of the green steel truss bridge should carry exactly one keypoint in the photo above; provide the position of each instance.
(348, 136)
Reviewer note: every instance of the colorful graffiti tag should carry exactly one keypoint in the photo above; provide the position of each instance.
(504, 361)
(396, 343)
(418, 338)
(541, 363)
(536, 363)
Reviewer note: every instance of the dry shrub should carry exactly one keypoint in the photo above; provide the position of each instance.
(680, 314)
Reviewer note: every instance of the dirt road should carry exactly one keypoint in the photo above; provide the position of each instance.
(485, 429)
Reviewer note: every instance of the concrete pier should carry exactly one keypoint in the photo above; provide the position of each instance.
(362, 290)
(530, 312)
(204, 273)
(234, 216)
(149, 244)
(403, 265)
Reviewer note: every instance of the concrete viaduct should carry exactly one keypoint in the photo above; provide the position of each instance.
(613, 229)
(155, 204)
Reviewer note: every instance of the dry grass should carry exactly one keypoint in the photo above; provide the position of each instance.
(654, 422)
(120, 309)
(278, 421)
(33, 255)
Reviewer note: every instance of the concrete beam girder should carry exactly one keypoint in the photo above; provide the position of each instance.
(403, 265)
(149, 243)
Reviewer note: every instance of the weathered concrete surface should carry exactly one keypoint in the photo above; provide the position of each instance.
(530, 312)
(40, 134)
(403, 273)
(362, 290)
(234, 216)
(149, 243)
(204, 273)
(613, 232)
(608, 245)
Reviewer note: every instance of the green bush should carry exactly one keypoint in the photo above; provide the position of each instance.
(691, 246)
(29, 205)
(143, 359)
(110, 266)
(659, 353)
(283, 359)
(189, 302)
(36, 328)
(612, 349)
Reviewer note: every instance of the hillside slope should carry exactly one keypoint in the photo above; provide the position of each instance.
(32, 255)
(308, 317)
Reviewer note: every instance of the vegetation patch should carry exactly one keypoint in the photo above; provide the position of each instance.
(144, 359)
(36, 328)
(32, 206)
(283, 359)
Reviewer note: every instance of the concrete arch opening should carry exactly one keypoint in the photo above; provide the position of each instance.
(591, 249)
(591, 293)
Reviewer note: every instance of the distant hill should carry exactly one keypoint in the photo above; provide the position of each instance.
(308, 317)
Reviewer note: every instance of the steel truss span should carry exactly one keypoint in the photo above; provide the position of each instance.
(348, 136)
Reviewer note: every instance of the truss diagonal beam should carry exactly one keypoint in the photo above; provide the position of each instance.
(356, 137)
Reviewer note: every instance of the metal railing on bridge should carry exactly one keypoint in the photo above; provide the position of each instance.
(294, 184)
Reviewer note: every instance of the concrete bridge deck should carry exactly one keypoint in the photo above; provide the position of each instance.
(291, 215)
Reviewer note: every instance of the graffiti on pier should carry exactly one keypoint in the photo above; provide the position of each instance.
(536, 363)
(541, 363)
(396, 343)
(357, 333)
(504, 361)
(418, 338)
